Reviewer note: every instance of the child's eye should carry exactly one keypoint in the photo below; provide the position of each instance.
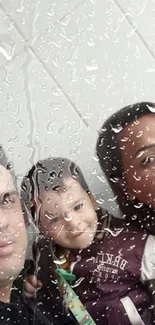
(148, 160)
(78, 207)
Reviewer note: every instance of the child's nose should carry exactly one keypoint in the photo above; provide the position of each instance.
(71, 221)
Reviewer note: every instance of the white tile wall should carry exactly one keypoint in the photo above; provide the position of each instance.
(33, 17)
(98, 60)
(141, 14)
(64, 67)
(11, 42)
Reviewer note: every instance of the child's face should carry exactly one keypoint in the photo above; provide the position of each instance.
(68, 216)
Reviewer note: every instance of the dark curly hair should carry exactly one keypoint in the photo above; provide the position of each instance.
(110, 159)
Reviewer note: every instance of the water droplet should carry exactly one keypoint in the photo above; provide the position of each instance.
(49, 127)
(131, 248)
(101, 178)
(151, 70)
(91, 42)
(134, 217)
(55, 60)
(114, 179)
(8, 56)
(151, 109)
(51, 13)
(59, 262)
(90, 27)
(95, 158)
(68, 218)
(13, 139)
(137, 53)
(124, 139)
(20, 123)
(100, 201)
(78, 282)
(137, 178)
(117, 128)
(138, 205)
(139, 134)
(113, 199)
(140, 154)
(92, 67)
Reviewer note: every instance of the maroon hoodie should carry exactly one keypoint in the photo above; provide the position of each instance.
(112, 274)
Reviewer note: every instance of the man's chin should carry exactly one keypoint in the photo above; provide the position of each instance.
(10, 273)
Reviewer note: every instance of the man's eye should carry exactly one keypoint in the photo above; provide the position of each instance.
(148, 160)
(78, 207)
(54, 220)
(48, 216)
(8, 200)
(51, 217)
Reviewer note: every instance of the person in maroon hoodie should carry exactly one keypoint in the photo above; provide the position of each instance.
(112, 260)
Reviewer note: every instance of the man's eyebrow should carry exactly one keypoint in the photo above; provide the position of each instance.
(149, 146)
(7, 194)
(49, 215)
(76, 202)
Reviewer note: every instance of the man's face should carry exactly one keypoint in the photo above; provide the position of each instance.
(68, 216)
(13, 238)
(138, 154)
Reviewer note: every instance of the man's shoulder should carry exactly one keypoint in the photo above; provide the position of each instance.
(19, 312)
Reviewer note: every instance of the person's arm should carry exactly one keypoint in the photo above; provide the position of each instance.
(148, 260)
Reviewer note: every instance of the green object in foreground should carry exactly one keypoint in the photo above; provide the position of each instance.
(67, 275)
(71, 300)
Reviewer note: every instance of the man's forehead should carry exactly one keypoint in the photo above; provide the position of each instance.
(143, 124)
(6, 180)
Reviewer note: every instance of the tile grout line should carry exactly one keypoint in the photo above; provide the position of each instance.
(49, 28)
(136, 30)
(63, 17)
(42, 63)
(65, 95)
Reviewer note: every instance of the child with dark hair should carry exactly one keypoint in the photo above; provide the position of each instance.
(126, 152)
(111, 260)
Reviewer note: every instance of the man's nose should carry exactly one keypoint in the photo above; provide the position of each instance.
(3, 221)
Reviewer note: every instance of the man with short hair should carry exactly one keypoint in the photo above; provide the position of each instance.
(13, 244)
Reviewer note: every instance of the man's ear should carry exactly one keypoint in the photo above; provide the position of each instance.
(27, 224)
(95, 204)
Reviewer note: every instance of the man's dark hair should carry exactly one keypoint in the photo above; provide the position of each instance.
(110, 156)
(7, 164)
(48, 175)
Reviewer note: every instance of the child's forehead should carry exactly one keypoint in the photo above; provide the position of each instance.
(70, 191)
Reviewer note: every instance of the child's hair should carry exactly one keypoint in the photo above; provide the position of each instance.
(109, 153)
(48, 175)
